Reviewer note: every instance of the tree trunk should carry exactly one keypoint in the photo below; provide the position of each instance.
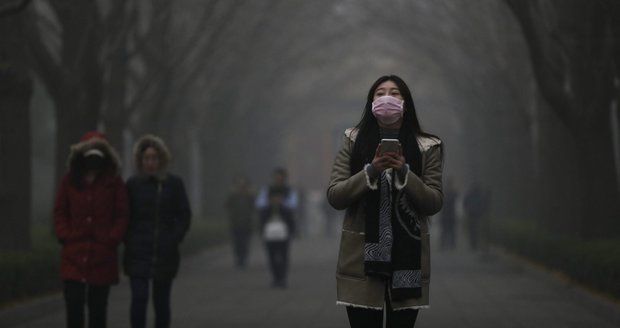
(76, 114)
(16, 89)
(115, 114)
(597, 172)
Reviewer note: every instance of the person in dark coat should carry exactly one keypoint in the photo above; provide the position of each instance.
(159, 220)
(277, 227)
(240, 208)
(90, 219)
(448, 216)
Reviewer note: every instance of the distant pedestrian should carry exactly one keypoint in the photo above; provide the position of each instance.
(279, 180)
(389, 189)
(240, 208)
(475, 205)
(90, 220)
(447, 222)
(160, 218)
(277, 228)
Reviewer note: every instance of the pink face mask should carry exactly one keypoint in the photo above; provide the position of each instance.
(387, 109)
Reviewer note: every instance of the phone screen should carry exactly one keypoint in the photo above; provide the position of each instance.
(389, 146)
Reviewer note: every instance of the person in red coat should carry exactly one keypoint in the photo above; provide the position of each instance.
(90, 219)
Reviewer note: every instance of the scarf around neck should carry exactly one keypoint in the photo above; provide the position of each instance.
(392, 248)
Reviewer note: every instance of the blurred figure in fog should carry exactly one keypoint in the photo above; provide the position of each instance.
(448, 216)
(331, 218)
(240, 208)
(160, 218)
(90, 220)
(389, 195)
(476, 204)
(279, 181)
(300, 214)
(277, 228)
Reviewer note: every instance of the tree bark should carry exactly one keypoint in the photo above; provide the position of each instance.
(16, 89)
(601, 205)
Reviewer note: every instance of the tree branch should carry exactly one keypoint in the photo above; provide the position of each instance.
(13, 8)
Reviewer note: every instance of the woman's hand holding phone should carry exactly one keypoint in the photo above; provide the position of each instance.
(383, 161)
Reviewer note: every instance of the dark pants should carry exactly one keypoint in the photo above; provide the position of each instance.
(368, 318)
(241, 245)
(77, 295)
(140, 300)
(277, 252)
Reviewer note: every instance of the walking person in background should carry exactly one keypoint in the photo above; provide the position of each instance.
(389, 189)
(160, 217)
(277, 227)
(476, 204)
(240, 208)
(90, 220)
(448, 216)
(279, 180)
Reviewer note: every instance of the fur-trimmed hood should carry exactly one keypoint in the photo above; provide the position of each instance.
(95, 142)
(156, 142)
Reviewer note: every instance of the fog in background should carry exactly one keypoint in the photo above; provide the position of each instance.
(524, 95)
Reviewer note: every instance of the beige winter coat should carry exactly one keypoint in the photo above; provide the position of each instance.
(354, 288)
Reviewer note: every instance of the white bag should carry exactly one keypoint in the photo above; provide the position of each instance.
(275, 229)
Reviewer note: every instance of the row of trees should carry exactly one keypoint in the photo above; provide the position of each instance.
(237, 86)
(185, 70)
(104, 64)
(574, 49)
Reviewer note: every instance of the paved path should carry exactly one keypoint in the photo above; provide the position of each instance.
(466, 291)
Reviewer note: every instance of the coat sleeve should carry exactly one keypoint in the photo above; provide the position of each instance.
(121, 212)
(184, 212)
(344, 189)
(425, 191)
(62, 214)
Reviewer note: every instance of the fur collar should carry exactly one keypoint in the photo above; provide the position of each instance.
(424, 142)
(150, 140)
(80, 148)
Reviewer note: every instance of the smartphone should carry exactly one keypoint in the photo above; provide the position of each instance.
(389, 146)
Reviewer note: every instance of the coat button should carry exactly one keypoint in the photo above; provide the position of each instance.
(88, 219)
(85, 259)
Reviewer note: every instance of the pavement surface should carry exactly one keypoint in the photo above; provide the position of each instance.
(467, 290)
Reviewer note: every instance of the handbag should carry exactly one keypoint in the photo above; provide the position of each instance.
(275, 229)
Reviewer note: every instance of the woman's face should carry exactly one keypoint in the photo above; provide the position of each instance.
(150, 161)
(387, 88)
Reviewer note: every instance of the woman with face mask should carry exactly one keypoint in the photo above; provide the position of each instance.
(90, 219)
(160, 217)
(388, 194)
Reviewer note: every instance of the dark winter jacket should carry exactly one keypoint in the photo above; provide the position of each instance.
(90, 219)
(160, 217)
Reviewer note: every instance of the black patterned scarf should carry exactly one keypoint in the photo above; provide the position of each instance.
(392, 246)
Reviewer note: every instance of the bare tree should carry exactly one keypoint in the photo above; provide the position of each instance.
(574, 52)
(72, 74)
(16, 87)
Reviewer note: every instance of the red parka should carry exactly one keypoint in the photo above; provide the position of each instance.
(91, 219)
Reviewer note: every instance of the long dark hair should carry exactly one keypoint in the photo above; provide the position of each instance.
(368, 130)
